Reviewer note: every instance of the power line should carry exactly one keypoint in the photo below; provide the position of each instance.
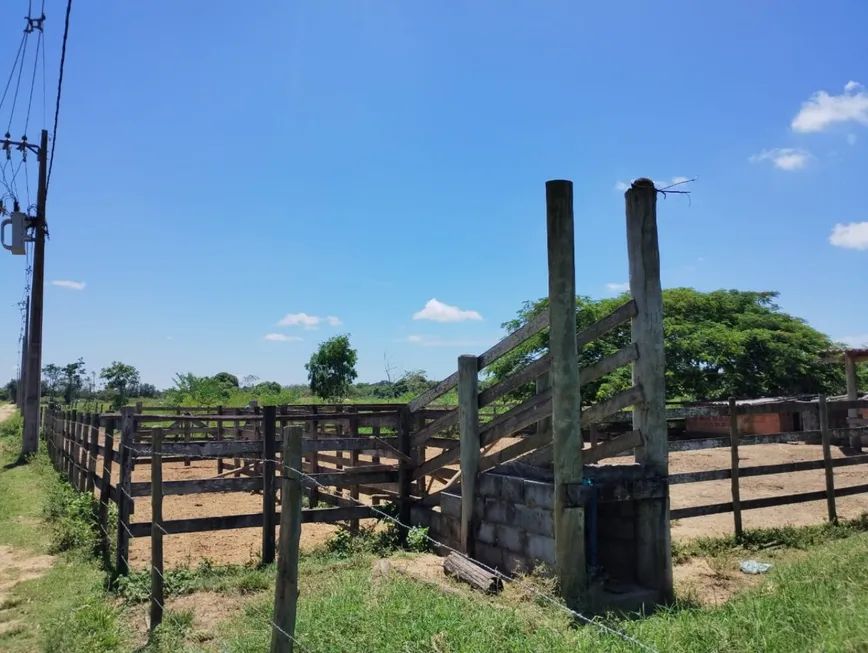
(59, 90)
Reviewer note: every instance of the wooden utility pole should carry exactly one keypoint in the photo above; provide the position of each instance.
(569, 521)
(33, 375)
(22, 383)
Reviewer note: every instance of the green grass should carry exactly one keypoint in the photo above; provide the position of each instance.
(771, 539)
(812, 601)
(816, 604)
(65, 610)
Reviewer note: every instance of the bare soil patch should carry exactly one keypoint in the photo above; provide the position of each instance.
(17, 566)
(244, 545)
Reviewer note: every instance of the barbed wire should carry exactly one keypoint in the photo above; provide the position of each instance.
(384, 515)
(550, 599)
(166, 612)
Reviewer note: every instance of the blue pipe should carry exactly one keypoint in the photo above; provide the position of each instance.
(592, 522)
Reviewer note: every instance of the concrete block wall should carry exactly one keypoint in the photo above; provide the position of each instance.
(515, 527)
(513, 522)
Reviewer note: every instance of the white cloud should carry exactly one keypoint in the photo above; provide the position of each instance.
(851, 139)
(621, 185)
(785, 158)
(822, 109)
(280, 337)
(850, 236)
(307, 321)
(72, 285)
(437, 311)
(855, 342)
(433, 341)
(618, 287)
(300, 319)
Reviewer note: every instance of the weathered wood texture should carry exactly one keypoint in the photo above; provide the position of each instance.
(653, 550)
(468, 424)
(157, 596)
(735, 490)
(471, 573)
(569, 521)
(286, 582)
(827, 460)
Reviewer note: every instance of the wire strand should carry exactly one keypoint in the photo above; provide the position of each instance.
(59, 91)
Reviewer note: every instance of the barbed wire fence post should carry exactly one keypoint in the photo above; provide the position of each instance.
(286, 585)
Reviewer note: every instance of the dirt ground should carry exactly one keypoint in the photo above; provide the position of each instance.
(17, 566)
(243, 545)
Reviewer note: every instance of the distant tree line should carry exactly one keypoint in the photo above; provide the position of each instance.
(718, 344)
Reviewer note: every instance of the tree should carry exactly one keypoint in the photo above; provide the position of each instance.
(227, 380)
(52, 375)
(268, 387)
(718, 344)
(147, 391)
(332, 368)
(120, 378)
(249, 381)
(72, 374)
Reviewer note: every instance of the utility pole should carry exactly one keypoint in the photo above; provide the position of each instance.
(22, 374)
(33, 376)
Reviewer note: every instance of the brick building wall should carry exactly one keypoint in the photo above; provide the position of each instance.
(760, 424)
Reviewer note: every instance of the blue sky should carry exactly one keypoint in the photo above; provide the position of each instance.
(224, 167)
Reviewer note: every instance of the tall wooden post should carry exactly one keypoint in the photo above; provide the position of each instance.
(852, 395)
(569, 521)
(286, 584)
(823, 409)
(125, 504)
(269, 517)
(157, 597)
(468, 428)
(654, 563)
(734, 467)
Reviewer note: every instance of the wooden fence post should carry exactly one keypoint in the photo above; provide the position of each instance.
(286, 585)
(852, 395)
(75, 433)
(405, 470)
(92, 452)
(313, 428)
(653, 546)
(128, 432)
(187, 424)
(569, 521)
(734, 466)
(157, 597)
(84, 450)
(468, 427)
(827, 458)
(219, 437)
(354, 461)
(64, 469)
(105, 491)
(269, 447)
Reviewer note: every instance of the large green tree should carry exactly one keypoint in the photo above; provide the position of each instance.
(718, 344)
(332, 368)
(72, 375)
(121, 379)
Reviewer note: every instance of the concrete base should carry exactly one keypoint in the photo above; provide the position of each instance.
(624, 599)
